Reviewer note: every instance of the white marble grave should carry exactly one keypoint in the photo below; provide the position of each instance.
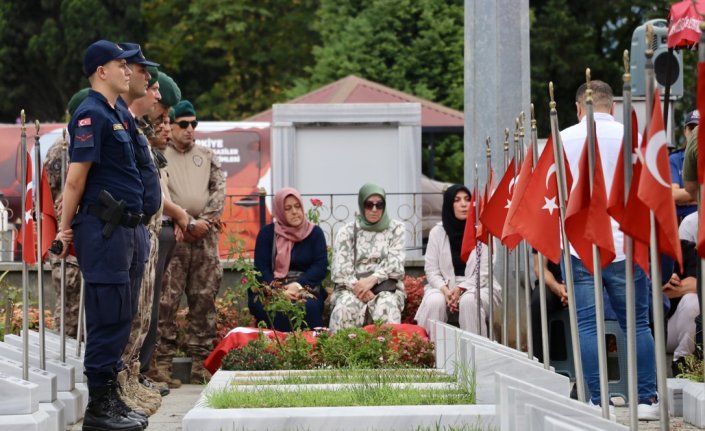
(675, 396)
(694, 403)
(51, 353)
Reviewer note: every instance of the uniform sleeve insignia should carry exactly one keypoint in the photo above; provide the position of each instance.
(83, 139)
(84, 122)
(118, 126)
(197, 160)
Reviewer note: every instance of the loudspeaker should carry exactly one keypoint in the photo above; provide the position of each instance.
(663, 60)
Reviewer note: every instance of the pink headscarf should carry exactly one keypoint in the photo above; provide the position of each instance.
(285, 234)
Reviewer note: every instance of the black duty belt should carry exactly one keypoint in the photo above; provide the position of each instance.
(128, 219)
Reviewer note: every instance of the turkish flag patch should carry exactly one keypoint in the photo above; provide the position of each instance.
(84, 122)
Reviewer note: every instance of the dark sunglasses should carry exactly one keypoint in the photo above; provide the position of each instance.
(374, 205)
(184, 124)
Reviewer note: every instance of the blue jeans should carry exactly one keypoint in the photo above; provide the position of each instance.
(613, 280)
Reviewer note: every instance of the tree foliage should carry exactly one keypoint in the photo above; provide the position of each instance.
(232, 59)
(568, 36)
(42, 45)
(415, 46)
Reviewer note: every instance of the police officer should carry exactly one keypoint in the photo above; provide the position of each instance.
(72, 274)
(103, 210)
(196, 183)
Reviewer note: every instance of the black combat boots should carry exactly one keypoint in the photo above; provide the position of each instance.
(123, 409)
(102, 413)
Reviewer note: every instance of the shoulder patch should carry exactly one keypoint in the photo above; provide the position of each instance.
(118, 126)
(84, 122)
(83, 138)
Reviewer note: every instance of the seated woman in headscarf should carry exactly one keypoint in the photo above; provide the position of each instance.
(291, 254)
(368, 265)
(451, 281)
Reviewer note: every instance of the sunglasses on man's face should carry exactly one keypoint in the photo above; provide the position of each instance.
(184, 124)
(374, 205)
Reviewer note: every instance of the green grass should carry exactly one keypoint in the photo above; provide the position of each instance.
(359, 395)
(353, 376)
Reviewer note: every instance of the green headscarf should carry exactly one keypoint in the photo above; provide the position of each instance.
(365, 192)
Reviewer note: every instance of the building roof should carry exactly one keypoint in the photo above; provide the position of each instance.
(353, 89)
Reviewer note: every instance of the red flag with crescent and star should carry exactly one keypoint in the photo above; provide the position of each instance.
(495, 211)
(510, 237)
(655, 185)
(586, 220)
(536, 218)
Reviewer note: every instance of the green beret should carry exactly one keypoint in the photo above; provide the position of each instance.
(184, 109)
(154, 73)
(76, 99)
(171, 94)
(172, 117)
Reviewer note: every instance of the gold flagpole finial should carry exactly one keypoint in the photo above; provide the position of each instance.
(552, 103)
(63, 139)
(488, 143)
(625, 58)
(587, 75)
(36, 124)
(588, 91)
(649, 41)
(506, 139)
(22, 120)
(522, 116)
(533, 118)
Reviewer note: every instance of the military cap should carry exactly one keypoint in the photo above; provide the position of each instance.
(171, 94)
(154, 75)
(172, 116)
(103, 52)
(137, 57)
(76, 99)
(184, 109)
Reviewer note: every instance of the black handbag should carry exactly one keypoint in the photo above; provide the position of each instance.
(292, 276)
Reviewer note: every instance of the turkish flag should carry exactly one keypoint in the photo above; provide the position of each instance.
(495, 211)
(701, 130)
(536, 217)
(632, 217)
(27, 237)
(470, 233)
(655, 185)
(510, 237)
(47, 217)
(587, 221)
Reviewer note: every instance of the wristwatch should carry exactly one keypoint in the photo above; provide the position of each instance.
(191, 225)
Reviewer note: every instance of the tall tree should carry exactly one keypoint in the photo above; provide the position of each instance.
(42, 45)
(232, 59)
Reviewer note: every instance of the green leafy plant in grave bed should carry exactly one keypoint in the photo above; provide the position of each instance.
(346, 375)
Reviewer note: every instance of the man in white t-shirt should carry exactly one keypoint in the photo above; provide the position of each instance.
(609, 138)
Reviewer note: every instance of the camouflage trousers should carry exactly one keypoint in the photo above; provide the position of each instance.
(140, 324)
(196, 271)
(72, 292)
(348, 311)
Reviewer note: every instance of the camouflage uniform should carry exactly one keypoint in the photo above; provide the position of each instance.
(140, 324)
(195, 267)
(52, 165)
(379, 253)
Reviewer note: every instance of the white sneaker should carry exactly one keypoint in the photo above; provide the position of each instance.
(649, 412)
(599, 407)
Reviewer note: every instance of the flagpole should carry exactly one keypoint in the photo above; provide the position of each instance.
(541, 259)
(25, 268)
(596, 261)
(38, 216)
(505, 261)
(519, 159)
(525, 250)
(490, 248)
(629, 251)
(62, 299)
(478, 258)
(655, 265)
(570, 287)
(80, 325)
